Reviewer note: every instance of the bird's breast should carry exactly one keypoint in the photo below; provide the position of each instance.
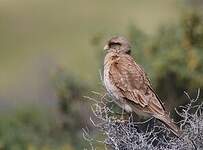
(110, 87)
(113, 91)
(107, 81)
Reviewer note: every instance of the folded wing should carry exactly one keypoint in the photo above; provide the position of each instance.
(134, 85)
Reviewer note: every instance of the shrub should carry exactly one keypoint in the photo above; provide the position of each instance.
(148, 135)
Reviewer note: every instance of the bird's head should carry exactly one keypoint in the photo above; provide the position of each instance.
(118, 44)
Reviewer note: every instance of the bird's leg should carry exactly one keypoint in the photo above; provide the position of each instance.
(124, 117)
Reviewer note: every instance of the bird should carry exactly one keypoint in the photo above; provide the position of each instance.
(129, 86)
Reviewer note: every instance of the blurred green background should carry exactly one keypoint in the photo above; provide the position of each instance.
(51, 53)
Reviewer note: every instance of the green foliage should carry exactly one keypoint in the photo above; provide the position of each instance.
(30, 128)
(34, 129)
(70, 91)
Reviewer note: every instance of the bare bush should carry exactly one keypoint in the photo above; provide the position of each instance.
(149, 135)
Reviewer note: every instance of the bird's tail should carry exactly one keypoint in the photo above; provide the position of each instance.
(170, 124)
(173, 127)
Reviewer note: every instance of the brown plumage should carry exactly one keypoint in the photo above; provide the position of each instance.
(128, 84)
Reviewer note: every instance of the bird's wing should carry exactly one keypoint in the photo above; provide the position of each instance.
(134, 85)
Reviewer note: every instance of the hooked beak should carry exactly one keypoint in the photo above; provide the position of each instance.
(106, 47)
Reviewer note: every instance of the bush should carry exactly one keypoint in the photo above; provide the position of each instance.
(149, 135)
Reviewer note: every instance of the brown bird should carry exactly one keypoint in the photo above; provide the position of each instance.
(128, 84)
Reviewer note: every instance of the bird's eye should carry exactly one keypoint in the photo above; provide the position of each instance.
(113, 44)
